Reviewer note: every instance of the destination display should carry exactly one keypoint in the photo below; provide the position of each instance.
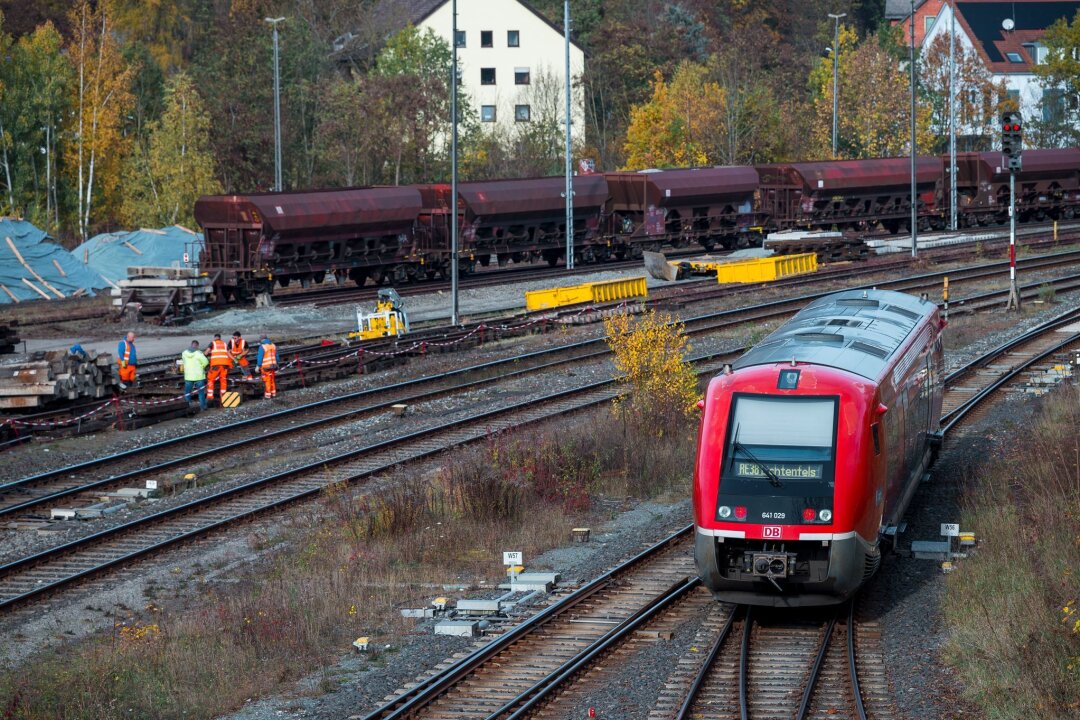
(785, 471)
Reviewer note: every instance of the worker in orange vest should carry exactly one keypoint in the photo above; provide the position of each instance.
(238, 350)
(266, 361)
(127, 360)
(220, 363)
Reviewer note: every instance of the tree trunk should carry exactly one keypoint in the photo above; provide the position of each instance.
(7, 170)
(82, 95)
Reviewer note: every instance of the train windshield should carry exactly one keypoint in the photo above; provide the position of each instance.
(780, 445)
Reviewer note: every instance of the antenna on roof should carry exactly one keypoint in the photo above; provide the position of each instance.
(792, 361)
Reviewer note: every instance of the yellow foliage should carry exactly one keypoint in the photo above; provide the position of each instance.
(650, 353)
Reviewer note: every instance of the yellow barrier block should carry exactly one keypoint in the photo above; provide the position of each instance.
(595, 292)
(230, 399)
(766, 269)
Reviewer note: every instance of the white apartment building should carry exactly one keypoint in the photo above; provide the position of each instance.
(511, 58)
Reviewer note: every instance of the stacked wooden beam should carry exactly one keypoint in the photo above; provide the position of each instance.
(55, 375)
(8, 338)
(163, 293)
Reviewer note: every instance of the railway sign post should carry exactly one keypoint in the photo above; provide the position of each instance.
(950, 531)
(512, 560)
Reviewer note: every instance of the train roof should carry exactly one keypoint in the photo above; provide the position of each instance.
(1050, 163)
(693, 186)
(307, 210)
(857, 331)
(531, 196)
(840, 175)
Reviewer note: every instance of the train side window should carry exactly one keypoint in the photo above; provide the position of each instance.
(875, 429)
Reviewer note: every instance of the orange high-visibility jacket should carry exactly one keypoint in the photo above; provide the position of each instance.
(238, 347)
(269, 356)
(219, 354)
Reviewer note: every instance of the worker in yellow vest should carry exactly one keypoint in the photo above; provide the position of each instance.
(220, 363)
(266, 361)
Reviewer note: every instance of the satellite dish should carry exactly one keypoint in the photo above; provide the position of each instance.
(1008, 24)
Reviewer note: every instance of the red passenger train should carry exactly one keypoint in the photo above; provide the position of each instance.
(812, 446)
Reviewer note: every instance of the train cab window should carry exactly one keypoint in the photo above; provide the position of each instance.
(779, 444)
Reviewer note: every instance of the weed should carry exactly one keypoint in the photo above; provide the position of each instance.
(1010, 607)
(1047, 293)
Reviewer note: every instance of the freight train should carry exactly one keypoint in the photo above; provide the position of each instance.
(811, 446)
(400, 234)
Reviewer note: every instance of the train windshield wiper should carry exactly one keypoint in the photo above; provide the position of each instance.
(738, 446)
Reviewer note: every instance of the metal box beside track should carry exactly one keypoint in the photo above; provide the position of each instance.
(766, 269)
(599, 292)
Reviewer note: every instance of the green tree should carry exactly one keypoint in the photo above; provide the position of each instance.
(161, 186)
(874, 104)
(978, 98)
(5, 136)
(38, 80)
(1061, 75)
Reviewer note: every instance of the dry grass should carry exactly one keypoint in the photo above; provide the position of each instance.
(346, 570)
(968, 328)
(1012, 607)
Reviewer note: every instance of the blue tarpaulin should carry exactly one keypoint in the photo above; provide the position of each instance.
(111, 254)
(49, 268)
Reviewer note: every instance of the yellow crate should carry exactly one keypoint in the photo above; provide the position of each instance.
(596, 292)
(766, 269)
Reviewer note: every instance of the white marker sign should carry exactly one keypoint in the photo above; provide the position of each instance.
(512, 558)
(950, 529)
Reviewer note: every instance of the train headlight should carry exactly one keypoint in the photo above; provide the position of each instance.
(723, 511)
(825, 515)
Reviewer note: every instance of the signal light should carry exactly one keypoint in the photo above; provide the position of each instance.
(740, 512)
(1012, 138)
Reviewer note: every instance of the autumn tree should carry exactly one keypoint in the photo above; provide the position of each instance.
(1061, 75)
(874, 104)
(161, 186)
(978, 97)
(103, 99)
(5, 135)
(677, 127)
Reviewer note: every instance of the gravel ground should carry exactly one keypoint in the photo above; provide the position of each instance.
(906, 593)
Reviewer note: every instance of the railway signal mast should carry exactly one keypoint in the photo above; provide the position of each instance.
(1012, 149)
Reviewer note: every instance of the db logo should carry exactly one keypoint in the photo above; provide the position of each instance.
(771, 531)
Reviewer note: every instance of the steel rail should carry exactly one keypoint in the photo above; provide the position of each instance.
(544, 687)
(744, 664)
(953, 418)
(297, 474)
(851, 661)
(435, 685)
(706, 667)
(815, 670)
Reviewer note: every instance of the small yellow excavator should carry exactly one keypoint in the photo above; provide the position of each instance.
(388, 320)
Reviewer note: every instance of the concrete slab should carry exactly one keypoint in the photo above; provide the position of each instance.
(478, 607)
(930, 549)
(460, 628)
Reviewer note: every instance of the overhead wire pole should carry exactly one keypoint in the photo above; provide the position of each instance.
(278, 186)
(453, 215)
(952, 117)
(835, 70)
(569, 148)
(914, 196)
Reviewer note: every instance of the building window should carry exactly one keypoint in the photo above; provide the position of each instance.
(487, 76)
(485, 39)
(928, 22)
(521, 76)
(1053, 105)
(1014, 57)
(513, 38)
(460, 38)
(487, 113)
(522, 113)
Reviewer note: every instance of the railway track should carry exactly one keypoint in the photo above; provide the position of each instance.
(32, 493)
(778, 666)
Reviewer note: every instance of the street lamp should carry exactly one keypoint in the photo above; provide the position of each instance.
(277, 108)
(835, 68)
(569, 169)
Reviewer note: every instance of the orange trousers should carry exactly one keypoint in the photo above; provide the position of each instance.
(127, 374)
(213, 375)
(269, 383)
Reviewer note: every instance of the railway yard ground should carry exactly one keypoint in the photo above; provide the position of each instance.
(278, 664)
